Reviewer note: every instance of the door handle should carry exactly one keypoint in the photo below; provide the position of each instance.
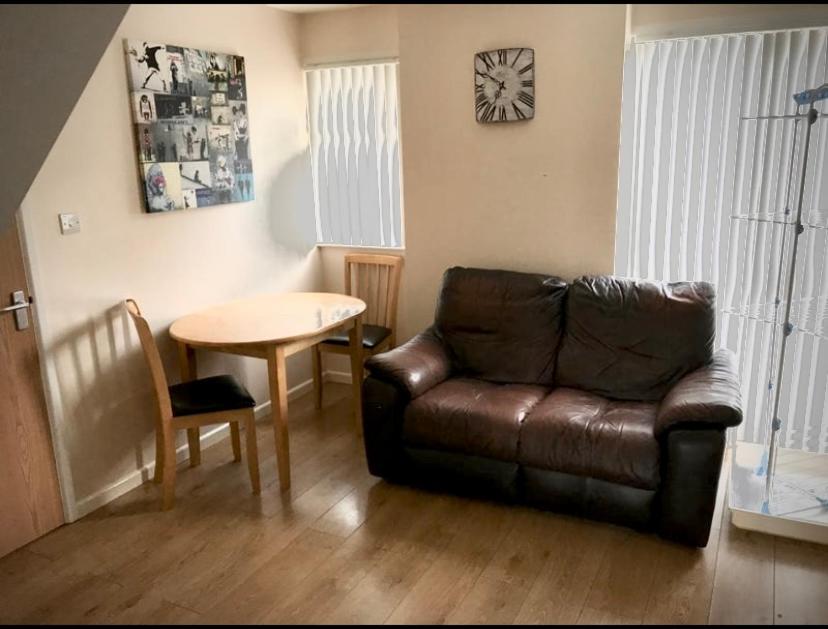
(14, 307)
(18, 307)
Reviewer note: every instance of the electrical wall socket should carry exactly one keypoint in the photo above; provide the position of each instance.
(69, 223)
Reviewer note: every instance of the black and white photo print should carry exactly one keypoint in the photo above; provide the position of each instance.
(148, 66)
(192, 126)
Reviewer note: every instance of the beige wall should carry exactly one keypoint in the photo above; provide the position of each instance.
(350, 35)
(534, 196)
(172, 263)
(652, 21)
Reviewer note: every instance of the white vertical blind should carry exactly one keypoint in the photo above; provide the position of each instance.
(353, 122)
(703, 196)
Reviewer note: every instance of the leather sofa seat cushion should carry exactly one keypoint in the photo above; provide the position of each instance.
(580, 433)
(634, 339)
(372, 336)
(501, 326)
(208, 395)
(471, 417)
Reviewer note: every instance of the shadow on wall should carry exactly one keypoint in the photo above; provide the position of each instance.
(292, 220)
(102, 381)
(105, 386)
(107, 397)
(108, 401)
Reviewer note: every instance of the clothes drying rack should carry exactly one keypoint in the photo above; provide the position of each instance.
(793, 504)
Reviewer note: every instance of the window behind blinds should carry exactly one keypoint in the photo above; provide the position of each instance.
(704, 195)
(353, 121)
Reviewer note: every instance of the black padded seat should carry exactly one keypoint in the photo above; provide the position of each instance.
(372, 336)
(209, 395)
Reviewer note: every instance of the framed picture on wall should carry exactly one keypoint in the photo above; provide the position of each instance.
(192, 126)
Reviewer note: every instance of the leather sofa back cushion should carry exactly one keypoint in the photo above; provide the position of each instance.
(634, 339)
(501, 326)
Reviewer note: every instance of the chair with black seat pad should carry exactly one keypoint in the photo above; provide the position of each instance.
(213, 400)
(375, 279)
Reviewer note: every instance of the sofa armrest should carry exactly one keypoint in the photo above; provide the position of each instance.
(383, 411)
(708, 397)
(417, 366)
(691, 465)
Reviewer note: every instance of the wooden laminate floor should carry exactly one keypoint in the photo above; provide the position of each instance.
(344, 547)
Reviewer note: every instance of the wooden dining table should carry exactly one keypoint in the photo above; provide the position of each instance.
(272, 327)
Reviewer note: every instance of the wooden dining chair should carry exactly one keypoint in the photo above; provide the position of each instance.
(192, 404)
(375, 279)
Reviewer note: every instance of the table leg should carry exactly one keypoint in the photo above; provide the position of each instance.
(355, 337)
(277, 375)
(188, 368)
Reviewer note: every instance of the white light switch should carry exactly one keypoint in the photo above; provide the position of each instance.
(69, 223)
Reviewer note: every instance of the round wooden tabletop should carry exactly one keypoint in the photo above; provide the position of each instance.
(266, 319)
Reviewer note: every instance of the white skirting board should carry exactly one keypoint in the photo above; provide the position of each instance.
(94, 501)
(343, 377)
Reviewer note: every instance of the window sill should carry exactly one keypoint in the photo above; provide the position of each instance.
(327, 245)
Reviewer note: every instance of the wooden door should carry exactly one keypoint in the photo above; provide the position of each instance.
(30, 504)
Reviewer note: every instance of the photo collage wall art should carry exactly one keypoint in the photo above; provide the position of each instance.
(192, 126)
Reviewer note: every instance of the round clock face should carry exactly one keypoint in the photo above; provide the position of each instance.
(504, 85)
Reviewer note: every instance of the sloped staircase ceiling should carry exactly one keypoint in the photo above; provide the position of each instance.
(47, 55)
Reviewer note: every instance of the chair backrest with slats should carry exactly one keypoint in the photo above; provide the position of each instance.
(375, 279)
(153, 357)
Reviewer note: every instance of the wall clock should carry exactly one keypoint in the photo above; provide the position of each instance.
(504, 85)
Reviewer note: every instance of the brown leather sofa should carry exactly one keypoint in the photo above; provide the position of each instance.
(603, 397)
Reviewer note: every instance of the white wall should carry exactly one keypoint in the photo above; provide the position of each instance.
(172, 263)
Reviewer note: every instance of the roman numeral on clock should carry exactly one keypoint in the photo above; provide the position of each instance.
(520, 115)
(487, 60)
(501, 57)
(527, 67)
(527, 83)
(526, 99)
